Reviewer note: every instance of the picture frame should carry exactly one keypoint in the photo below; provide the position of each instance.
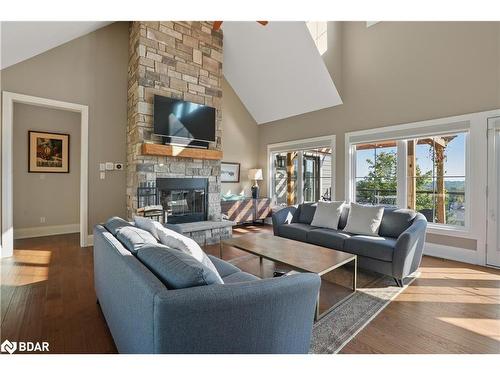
(230, 172)
(48, 152)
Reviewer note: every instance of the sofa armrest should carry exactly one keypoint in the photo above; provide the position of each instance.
(224, 268)
(282, 216)
(262, 316)
(409, 248)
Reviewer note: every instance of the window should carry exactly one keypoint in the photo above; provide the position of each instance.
(285, 170)
(432, 175)
(436, 173)
(319, 34)
(376, 173)
(301, 174)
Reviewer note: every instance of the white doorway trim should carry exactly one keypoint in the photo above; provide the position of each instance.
(9, 98)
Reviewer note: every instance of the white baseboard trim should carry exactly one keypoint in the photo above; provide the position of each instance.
(48, 230)
(451, 253)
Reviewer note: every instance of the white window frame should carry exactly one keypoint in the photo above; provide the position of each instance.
(475, 154)
(297, 145)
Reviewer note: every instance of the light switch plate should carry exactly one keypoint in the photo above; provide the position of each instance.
(110, 165)
(102, 167)
(103, 175)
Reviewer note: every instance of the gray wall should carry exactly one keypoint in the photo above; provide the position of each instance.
(91, 70)
(240, 139)
(398, 72)
(54, 196)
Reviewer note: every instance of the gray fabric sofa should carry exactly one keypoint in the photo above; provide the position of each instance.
(397, 252)
(243, 315)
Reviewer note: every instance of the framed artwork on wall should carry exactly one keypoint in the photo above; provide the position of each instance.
(230, 172)
(48, 152)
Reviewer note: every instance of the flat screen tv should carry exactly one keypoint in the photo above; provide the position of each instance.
(180, 119)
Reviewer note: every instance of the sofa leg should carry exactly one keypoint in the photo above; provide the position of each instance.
(399, 282)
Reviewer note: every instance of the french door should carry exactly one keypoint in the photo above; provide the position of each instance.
(303, 175)
(493, 240)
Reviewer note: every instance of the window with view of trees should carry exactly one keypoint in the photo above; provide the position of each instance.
(376, 173)
(436, 173)
(435, 176)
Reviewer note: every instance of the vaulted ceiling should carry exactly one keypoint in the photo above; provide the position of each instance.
(276, 70)
(23, 40)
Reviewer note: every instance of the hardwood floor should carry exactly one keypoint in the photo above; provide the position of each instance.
(47, 294)
(452, 307)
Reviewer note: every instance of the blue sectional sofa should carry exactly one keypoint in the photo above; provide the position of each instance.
(243, 315)
(397, 251)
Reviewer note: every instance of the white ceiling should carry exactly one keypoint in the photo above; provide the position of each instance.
(276, 70)
(23, 40)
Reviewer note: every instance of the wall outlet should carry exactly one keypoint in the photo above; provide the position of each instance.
(42, 219)
(102, 175)
(110, 165)
(102, 167)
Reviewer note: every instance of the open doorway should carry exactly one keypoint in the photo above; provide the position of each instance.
(9, 100)
(46, 171)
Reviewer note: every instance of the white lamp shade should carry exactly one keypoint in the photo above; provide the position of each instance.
(255, 174)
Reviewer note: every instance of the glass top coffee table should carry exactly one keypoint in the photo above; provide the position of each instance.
(302, 257)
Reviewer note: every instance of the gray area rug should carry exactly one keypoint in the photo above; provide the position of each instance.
(335, 330)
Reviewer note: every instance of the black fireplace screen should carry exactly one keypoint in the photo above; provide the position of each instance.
(183, 202)
(183, 199)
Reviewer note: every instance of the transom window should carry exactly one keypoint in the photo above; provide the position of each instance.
(319, 34)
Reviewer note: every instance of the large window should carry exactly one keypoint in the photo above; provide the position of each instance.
(302, 175)
(376, 173)
(435, 170)
(436, 175)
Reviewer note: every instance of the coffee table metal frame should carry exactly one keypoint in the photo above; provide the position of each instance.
(317, 315)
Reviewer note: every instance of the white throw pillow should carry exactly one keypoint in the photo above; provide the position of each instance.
(364, 219)
(176, 241)
(327, 214)
(185, 244)
(147, 225)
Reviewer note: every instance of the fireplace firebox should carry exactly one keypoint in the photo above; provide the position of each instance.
(184, 200)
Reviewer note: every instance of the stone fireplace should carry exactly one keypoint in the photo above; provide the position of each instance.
(182, 60)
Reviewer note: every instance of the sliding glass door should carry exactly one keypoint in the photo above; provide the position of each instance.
(303, 175)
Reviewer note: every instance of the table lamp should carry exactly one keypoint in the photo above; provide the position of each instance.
(256, 175)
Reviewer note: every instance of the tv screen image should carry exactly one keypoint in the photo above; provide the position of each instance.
(181, 119)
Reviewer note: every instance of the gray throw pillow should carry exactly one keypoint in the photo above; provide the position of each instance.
(176, 269)
(134, 238)
(327, 214)
(185, 244)
(114, 224)
(306, 213)
(364, 219)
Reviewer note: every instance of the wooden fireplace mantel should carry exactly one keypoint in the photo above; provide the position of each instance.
(153, 149)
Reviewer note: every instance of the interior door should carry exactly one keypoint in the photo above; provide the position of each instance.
(493, 240)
